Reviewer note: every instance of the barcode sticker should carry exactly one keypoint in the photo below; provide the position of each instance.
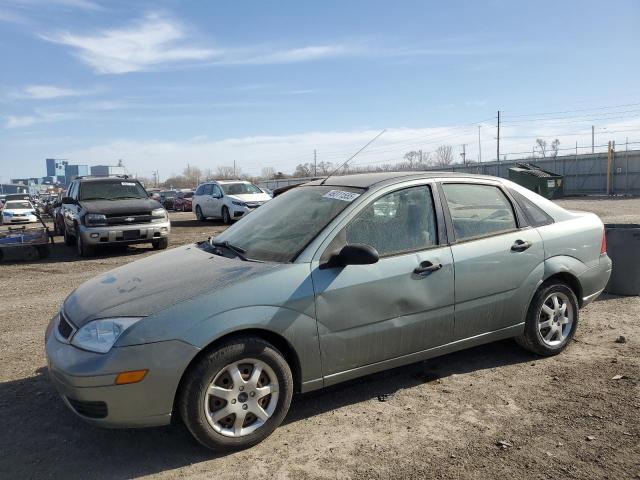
(128, 184)
(341, 195)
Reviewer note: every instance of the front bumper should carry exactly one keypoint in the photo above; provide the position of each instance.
(237, 211)
(110, 234)
(86, 380)
(29, 219)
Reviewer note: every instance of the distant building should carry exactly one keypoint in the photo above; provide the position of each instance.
(73, 171)
(8, 188)
(56, 167)
(106, 170)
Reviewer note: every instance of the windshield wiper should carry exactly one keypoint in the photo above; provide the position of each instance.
(237, 250)
(124, 198)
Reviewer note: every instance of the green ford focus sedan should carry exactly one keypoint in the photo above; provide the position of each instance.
(332, 280)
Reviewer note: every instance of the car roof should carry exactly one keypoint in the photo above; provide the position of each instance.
(222, 182)
(368, 180)
(105, 179)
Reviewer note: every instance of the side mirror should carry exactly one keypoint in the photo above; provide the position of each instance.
(354, 254)
(68, 200)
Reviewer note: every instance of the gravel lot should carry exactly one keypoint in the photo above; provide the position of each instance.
(561, 417)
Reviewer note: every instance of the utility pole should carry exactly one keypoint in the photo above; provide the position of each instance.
(498, 138)
(479, 147)
(234, 169)
(315, 163)
(464, 154)
(609, 155)
(593, 137)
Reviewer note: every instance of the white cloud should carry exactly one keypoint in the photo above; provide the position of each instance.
(21, 121)
(43, 92)
(152, 42)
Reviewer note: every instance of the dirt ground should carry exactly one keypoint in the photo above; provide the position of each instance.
(560, 417)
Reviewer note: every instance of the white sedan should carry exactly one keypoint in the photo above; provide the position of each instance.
(18, 211)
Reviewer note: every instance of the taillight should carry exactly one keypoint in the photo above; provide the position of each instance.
(603, 245)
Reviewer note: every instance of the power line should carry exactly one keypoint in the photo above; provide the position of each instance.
(573, 111)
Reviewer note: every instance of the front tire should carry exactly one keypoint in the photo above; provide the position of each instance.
(82, 248)
(160, 244)
(236, 395)
(199, 215)
(69, 241)
(551, 321)
(226, 217)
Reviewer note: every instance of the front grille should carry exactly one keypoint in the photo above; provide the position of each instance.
(89, 409)
(130, 219)
(64, 327)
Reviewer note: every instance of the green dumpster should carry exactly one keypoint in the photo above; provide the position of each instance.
(547, 184)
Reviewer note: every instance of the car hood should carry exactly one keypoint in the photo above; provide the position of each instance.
(19, 210)
(152, 284)
(251, 197)
(124, 206)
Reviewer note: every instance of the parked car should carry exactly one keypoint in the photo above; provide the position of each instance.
(182, 201)
(227, 199)
(18, 211)
(57, 216)
(112, 210)
(330, 281)
(166, 199)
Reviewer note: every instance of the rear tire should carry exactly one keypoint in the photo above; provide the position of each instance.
(551, 321)
(160, 244)
(262, 368)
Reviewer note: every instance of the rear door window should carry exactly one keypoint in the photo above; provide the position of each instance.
(208, 189)
(478, 210)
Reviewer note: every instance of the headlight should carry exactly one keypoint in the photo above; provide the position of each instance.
(240, 204)
(7, 214)
(94, 219)
(100, 335)
(158, 214)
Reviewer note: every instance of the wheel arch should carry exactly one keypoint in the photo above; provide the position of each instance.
(282, 344)
(570, 280)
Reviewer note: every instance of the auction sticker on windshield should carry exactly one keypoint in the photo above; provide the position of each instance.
(341, 195)
(128, 184)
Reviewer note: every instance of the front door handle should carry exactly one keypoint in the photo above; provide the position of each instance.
(427, 267)
(521, 245)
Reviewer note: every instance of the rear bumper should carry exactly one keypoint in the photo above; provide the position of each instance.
(112, 234)
(594, 280)
(86, 381)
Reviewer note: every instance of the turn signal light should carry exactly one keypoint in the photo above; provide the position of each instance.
(134, 376)
(603, 245)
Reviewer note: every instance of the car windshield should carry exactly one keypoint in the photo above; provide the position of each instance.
(280, 229)
(111, 190)
(17, 205)
(239, 188)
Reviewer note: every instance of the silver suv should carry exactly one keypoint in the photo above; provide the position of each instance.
(112, 210)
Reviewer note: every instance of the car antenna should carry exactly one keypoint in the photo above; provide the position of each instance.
(353, 156)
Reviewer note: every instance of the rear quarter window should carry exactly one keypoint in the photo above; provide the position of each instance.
(537, 216)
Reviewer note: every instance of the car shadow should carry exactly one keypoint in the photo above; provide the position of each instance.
(50, 441)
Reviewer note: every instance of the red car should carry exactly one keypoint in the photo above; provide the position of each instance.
(182, 201)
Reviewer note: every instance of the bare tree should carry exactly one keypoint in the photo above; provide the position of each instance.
(412, 157)
(227, 173)
(555, 146)
(268, 172)
(443, 156)
(542, 145)
(192, 175)
(304, 170)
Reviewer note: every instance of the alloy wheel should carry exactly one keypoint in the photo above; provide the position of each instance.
(555, 319)
(241, 398)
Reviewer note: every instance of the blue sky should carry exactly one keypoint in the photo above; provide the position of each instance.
(163, 84)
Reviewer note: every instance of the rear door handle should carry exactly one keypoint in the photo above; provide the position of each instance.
(427, 267)
(520, 245)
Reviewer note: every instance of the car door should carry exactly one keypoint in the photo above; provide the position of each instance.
(216, 201)
(400, 305)
(499, 259)
(205, 199)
